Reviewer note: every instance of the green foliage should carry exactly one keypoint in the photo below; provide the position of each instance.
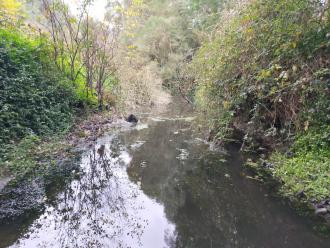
(33, 155)
(163, 37)
(10, 12)
(19, 159)
(261, 65)
(265, 71)
(308, 170)
(34, 97)
(209, 5)
(39, 97)
(157, 41)
(205, 13)
(82, 100)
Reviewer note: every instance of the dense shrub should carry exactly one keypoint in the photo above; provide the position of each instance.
(265, 72)
(308, 169)
(34, 96)
(260, 72)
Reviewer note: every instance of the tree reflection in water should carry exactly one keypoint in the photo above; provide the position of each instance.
(102, 208)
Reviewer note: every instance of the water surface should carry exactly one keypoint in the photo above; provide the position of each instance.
(158, 184)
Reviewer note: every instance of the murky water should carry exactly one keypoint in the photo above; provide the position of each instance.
(158, 185)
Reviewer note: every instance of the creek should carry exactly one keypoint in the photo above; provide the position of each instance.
(158, 184)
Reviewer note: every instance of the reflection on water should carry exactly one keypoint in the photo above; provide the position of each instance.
(103, 208)
(158, 184)
(206, 195)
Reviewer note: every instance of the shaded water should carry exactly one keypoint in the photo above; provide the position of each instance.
(158, 185)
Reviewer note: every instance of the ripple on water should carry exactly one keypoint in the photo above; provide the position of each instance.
(184, 154)
(137, 144)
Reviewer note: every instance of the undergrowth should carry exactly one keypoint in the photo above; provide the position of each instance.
(36, 100)
(308, 169)
(33, 155)
(265, 72)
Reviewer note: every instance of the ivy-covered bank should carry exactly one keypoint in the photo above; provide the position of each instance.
(37, 101)
(264, 73)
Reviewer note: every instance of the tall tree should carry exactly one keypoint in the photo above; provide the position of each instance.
(66, 32)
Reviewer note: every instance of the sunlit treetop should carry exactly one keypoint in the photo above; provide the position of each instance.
(9, 8)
